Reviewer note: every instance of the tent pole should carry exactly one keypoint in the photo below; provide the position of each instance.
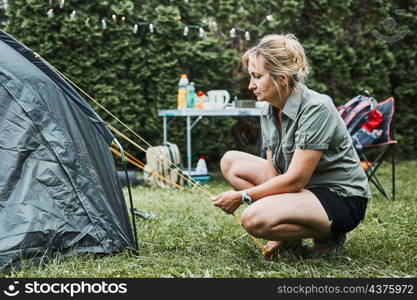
(132, 212)
(132, 209)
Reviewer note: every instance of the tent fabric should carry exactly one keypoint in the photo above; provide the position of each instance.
(59, 189)
(59, 81)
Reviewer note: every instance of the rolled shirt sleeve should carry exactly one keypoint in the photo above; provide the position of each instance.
(315, 128)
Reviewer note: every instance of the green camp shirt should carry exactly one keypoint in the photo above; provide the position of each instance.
(311, 121)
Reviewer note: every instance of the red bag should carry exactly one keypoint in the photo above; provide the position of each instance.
(374, 120)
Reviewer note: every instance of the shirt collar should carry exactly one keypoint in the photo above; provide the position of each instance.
(266, 109)
(293, 103)
(291, 107)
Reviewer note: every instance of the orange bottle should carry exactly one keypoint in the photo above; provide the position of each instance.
(182, 91)
(200, 100)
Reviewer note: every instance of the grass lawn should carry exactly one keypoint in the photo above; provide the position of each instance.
(189, 237)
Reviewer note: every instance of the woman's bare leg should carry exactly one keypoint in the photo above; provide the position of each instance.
(243, 170)
(287, 217)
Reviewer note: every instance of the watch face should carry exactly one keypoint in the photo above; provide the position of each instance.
(247, 199)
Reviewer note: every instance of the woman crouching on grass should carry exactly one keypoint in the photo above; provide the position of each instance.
(311, 184)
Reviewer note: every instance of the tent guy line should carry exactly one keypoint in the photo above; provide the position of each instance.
(134, 161)
(201, 188)
(188, 178)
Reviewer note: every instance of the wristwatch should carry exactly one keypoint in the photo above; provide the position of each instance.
(246, 199)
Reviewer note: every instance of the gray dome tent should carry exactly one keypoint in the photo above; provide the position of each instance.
(59, 189)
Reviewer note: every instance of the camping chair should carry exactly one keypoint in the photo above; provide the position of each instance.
(374, 135)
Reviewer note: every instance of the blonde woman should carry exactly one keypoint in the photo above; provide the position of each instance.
(311, 184)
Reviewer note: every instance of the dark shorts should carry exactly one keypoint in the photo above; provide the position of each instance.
(345, 212)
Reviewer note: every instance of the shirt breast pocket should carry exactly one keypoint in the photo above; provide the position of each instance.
(288, 147)
(287, 152)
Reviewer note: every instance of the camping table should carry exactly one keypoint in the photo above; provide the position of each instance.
(198, 114)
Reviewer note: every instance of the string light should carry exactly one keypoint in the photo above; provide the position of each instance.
(214, 25)
(201, 32)
(103, 23)
(232, 33)
(50, 13)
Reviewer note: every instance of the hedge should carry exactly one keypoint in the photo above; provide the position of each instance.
(134, 75)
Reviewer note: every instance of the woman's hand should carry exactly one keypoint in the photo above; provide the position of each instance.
(228, 201)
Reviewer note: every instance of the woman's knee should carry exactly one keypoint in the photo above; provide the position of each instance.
(227, 161)
(253, 222)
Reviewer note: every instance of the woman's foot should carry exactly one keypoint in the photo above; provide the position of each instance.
(274, 246)
(330, 247)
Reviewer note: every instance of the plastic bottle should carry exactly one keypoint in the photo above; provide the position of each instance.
(206, 102)
(201, 168)
(191, 95)
(200, 100)
(182, 91)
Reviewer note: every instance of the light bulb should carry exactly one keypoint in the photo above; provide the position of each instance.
(270, 17)
(123, 18)
(87, 21)
(201, 32)
(72, 15)
(114, 17)
(135, 28)
(185, 33)
(103, 23)
(214, 25)
(247, 35)
(232, 33)
(50, 13)
(61, 3)
(151, 29)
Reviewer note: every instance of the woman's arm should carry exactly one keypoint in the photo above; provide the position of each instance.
(271, 172)
(298, 175)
